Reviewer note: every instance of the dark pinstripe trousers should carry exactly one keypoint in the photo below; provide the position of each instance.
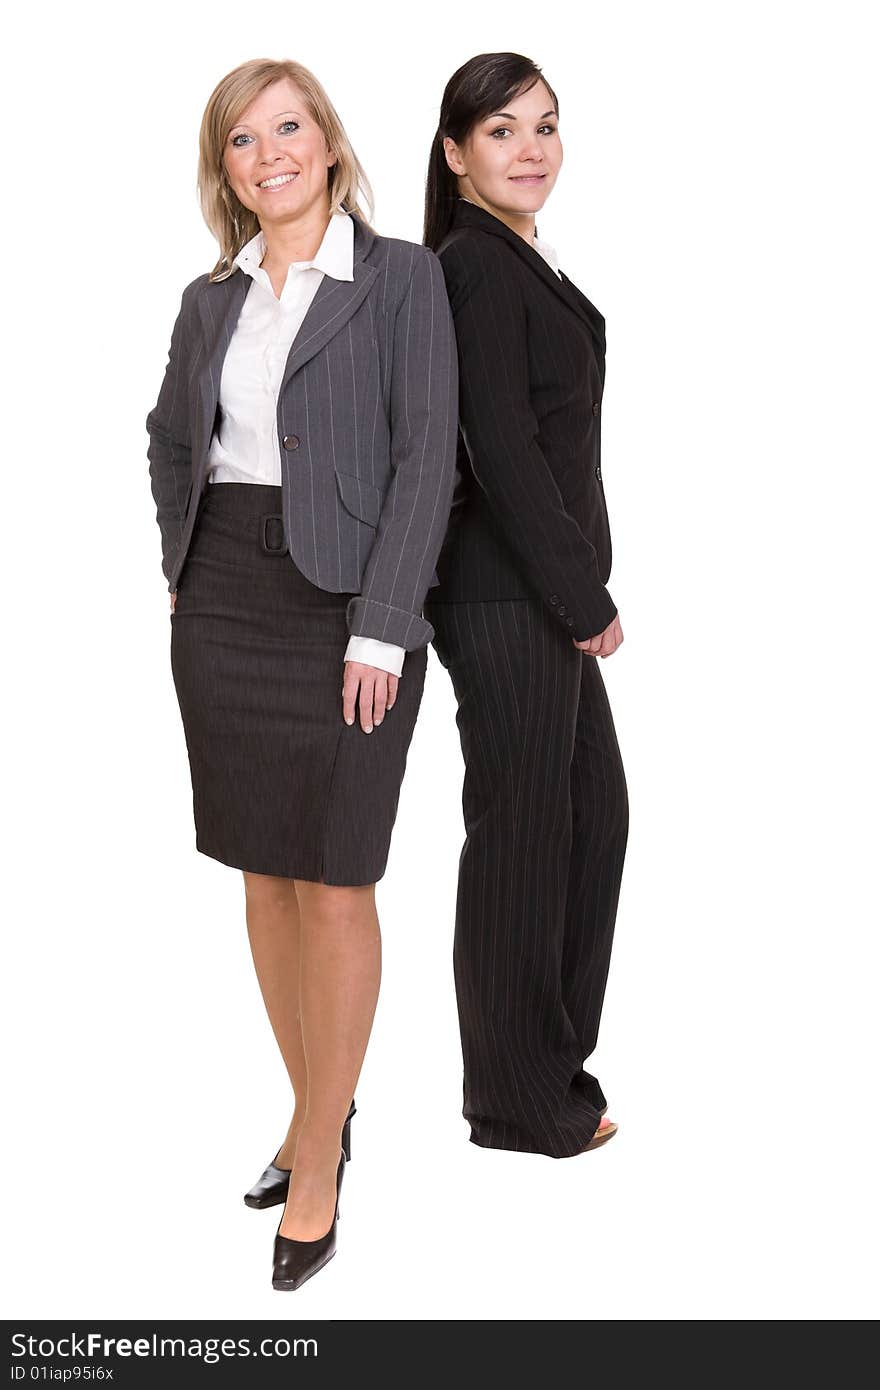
(546, 817)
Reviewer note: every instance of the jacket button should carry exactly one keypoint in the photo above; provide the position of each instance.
(554, 598)
(595, 407)
(570, 622)
(291, 441)
(562, 610)
(599, 473)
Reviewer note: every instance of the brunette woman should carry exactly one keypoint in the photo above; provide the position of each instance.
(521, 615)
(302, 455)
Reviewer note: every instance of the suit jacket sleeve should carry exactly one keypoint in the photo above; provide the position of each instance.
(416, 507)
(500, 431)
(170, 447)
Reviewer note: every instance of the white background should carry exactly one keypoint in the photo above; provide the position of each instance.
(717, 203)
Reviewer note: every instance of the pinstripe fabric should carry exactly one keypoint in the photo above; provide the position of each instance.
(278, 777)
(546, 816)
(366, 416)
(529, 516)
(522, 572)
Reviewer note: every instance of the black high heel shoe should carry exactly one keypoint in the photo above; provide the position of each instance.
(295, 1261)
(270, 1189)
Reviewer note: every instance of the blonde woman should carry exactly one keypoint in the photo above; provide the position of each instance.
(302, 454)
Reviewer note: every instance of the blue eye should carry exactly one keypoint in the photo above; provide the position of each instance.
(242, 136)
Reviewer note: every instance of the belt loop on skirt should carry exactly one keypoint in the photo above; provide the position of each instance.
(279, 532)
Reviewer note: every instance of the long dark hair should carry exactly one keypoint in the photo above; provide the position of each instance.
(482, 85)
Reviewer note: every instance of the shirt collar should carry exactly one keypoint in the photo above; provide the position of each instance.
(334, 257)
(544, 249)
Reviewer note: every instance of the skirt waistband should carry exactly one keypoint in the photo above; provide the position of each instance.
(244, 499)
(252, 510)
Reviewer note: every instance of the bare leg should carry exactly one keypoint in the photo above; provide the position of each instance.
(272, 912)
(340, 969)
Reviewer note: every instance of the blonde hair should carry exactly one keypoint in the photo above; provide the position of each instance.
(231, 223)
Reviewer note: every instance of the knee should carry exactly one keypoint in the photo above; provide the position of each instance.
(328, 902)
(621, 820)
(618, 831)
(266, 892)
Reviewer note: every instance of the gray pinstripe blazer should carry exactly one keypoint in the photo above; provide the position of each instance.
(367, 414)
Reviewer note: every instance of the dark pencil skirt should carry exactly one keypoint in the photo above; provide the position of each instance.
(281, 784)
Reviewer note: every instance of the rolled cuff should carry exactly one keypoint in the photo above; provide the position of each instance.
(368, 618)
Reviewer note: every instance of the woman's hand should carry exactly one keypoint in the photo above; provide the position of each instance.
(378, 691)
(173, 599)
(604, 643)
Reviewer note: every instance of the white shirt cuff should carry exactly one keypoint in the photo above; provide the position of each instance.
(385, 655)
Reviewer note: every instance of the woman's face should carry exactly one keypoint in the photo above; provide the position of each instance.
(510, 160)
(277, 139)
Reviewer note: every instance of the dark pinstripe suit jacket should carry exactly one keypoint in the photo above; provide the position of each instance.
(367, 415)
(529, 515)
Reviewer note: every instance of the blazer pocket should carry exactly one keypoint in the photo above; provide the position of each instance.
(359, 497)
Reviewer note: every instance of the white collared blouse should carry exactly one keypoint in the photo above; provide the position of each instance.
(245, 447)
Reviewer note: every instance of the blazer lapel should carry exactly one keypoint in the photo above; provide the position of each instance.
(470, 215)
(330, 310)
(220, 303)
(586, 309)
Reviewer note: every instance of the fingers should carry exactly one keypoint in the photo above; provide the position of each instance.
(380, 696)
(365, 704)
(611, 637)
(350, 683)
(604, 643)
(368, 693)
(173, 599)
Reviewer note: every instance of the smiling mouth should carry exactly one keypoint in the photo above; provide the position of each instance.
(277, 181)
(527, 178)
